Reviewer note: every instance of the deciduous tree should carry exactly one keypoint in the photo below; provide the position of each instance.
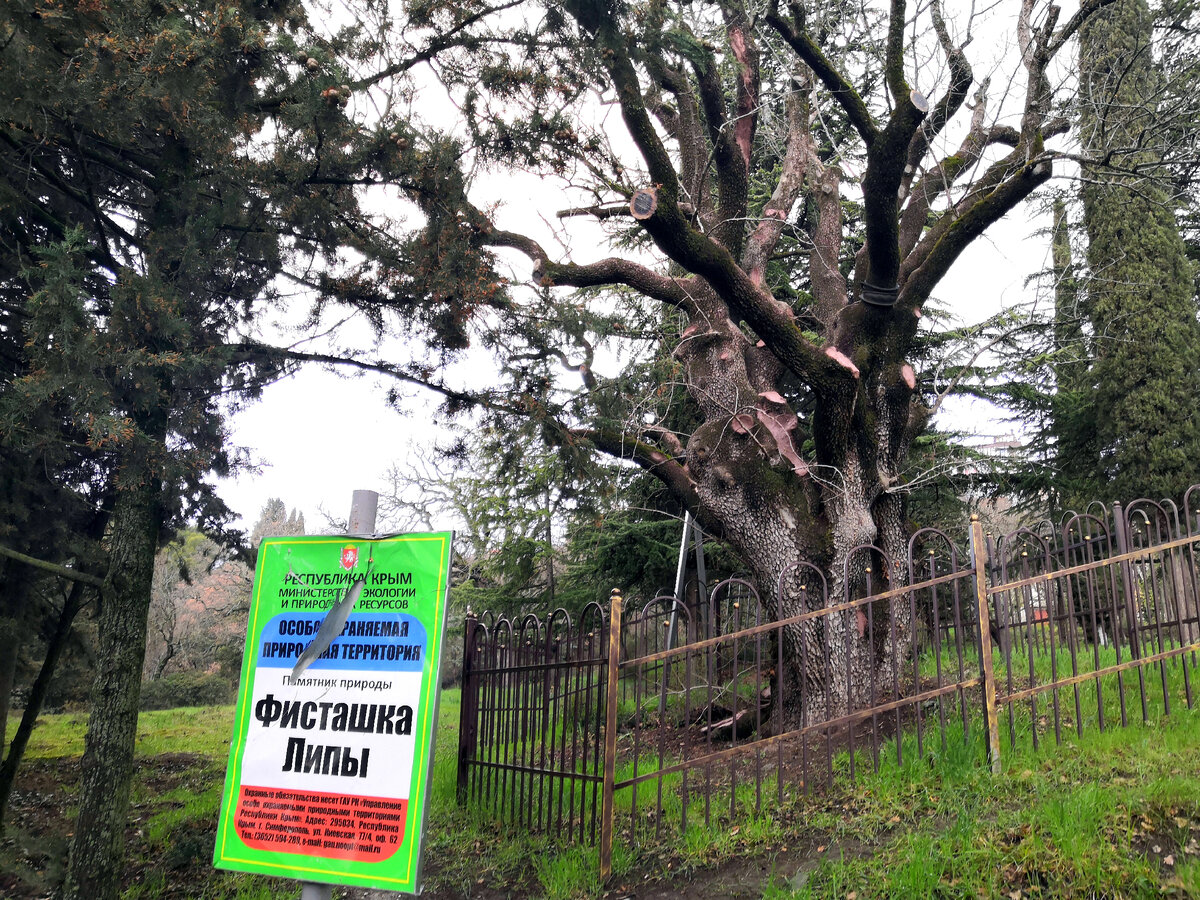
(777, 188)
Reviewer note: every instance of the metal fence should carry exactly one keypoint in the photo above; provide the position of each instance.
(610, 724)
(531, 720)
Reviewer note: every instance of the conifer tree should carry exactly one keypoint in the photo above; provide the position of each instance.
(163, 170)
(1139, 296)
(787, 197)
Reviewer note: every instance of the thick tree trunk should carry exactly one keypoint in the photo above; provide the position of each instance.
(846, 526)
(37, 696)
(97, 851)
(850, 659)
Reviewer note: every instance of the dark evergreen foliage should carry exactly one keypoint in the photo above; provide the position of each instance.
(164, 171)
(1140, 295)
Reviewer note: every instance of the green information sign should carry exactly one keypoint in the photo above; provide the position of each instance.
(329, 767)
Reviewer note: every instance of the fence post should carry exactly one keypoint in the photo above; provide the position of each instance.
(610, 737)
(468, 710)
(1120, 527)
(979, 559)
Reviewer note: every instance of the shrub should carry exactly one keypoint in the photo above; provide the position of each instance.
(186, 689)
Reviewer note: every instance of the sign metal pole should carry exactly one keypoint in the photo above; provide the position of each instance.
(362, 521)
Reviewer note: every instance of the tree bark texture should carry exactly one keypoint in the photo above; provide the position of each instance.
(98, 847)
(744, 465)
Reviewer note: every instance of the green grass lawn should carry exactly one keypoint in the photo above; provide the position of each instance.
(182, 755)
(1114, 815)
(203, 730)
(1109, 815)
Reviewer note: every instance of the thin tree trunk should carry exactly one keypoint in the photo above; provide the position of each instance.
(1182, 593)
(550, 582)
(15, 595)
(98, 850)
(9, 634)
(164, 661)
(37, 696)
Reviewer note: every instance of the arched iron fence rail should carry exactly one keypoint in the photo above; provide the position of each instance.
(601, 725)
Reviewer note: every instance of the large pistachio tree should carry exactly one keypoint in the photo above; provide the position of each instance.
(762, 197)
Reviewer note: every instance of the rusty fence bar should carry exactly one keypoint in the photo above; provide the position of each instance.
(726, 730)
(990, 716)
(1119, 598)
(605, 729)
(531, 721)
(610, 735)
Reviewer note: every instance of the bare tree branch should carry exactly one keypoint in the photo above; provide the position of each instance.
(793, 31)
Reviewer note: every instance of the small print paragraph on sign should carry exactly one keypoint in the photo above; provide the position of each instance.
(336, 826)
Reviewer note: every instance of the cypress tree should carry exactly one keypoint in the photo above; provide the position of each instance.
(1140, 296)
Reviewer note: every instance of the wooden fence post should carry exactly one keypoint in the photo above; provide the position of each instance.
(610, 737)
(468, 711)
(979, 556)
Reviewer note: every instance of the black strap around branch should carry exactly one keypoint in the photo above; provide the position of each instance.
(874, 295)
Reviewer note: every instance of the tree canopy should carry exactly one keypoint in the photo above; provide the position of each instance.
(764, 198)
(165, 170)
